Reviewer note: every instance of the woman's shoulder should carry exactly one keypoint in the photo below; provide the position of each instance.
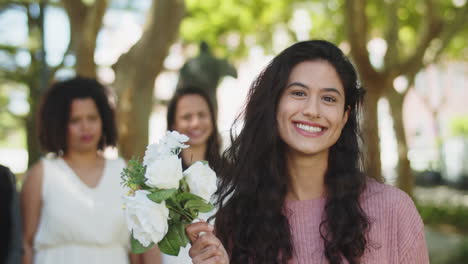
(116, 162)
(50, 160)
(386, 193)
(395, 215)
(36, 170)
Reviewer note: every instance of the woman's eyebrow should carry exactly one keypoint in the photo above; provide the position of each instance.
(297, 84)
(334, 90)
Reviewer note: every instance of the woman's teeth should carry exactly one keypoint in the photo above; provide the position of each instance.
(309, 128)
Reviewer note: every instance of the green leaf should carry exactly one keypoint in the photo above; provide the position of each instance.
(186, 196)
(173, 203)
(174, 239)
(133, 176)
(137, 247)
(161, 195)
(184, 186)
(174, 215)
(198, 205)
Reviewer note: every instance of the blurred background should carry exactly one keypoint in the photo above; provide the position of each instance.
(412, 57)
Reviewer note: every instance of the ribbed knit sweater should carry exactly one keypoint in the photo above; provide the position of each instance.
(396, 234)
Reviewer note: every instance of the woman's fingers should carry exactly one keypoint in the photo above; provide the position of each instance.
(205, 241)
(193, 230)
(207, 253)
(206, 247)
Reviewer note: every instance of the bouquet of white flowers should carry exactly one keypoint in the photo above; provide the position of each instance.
(163, 199)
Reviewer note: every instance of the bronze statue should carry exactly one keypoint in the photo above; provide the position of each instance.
(205, 71)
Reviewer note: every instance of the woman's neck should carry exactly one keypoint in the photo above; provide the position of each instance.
(193, 154)
(307, 176)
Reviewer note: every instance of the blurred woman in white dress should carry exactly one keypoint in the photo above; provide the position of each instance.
(71, 200)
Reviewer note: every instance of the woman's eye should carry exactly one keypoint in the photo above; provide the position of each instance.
(298, 93)
(329, 99)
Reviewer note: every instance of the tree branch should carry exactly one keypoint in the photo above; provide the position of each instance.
(431, 30)
(76, 11)
(95, 16)
(450, 29)
(356, 31)
(54, 70)
(75, 8)
(391, 34)
(163, 15)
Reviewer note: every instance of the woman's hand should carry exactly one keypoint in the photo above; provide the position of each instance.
(206, 247)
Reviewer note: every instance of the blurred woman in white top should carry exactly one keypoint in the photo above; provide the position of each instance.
(192, 113)
(71, 200)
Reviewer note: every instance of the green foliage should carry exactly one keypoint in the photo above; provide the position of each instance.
(411, 14)
(11, 125)
(198, 206)
(459, 126)
(217, 21)
(161, 195)
(133, 176)
(461, 253)
(455, 216)
(137, 247)
(194, 203)
(174, 239)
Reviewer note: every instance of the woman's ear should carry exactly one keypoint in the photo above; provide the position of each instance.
(346, 114)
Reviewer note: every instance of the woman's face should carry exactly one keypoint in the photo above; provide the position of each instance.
(192, 118)
(84, 126)
(311, 112)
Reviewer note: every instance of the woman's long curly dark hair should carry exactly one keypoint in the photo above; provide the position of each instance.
(213, 148)
(251, 221)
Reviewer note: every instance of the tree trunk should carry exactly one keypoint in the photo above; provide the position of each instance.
(34, 150)
(405, 178)
(85, 23)
(37, 81)
(135, 107)
(136, 72)
(371, 133)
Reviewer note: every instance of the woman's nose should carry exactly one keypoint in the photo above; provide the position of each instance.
(86, 125)
(195, 122)
(311, 108)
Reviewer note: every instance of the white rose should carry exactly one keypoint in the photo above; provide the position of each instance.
(154, 152)
(175, 140)
(201, 180)
(145, 218)
(166, 146)
(164, 173)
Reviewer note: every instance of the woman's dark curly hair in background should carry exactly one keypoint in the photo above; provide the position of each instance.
(54, 113)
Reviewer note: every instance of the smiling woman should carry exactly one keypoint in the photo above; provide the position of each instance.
(311, 114)
(191, 112)
(292, 189)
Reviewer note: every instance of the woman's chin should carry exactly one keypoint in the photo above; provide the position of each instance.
(197, 142)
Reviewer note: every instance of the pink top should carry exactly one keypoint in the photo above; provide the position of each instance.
(396, 233)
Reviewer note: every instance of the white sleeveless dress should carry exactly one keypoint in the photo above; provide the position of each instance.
(79, 224)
